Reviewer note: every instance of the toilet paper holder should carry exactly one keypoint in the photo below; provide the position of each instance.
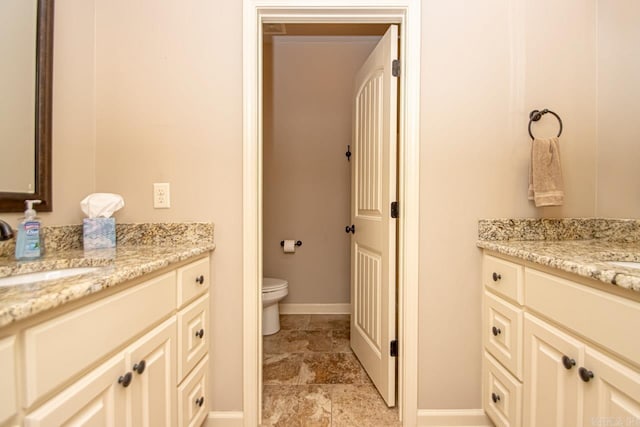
(298, 243)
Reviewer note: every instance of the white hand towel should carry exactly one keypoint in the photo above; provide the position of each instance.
(546, 187)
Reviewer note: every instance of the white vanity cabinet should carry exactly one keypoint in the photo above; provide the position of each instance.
(8, 381)
(559, 352)
(116, 361)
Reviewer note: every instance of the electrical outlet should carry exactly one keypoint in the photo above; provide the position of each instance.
(161, 195)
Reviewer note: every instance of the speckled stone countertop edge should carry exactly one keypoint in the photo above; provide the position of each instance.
(117, 267)
(586, 258)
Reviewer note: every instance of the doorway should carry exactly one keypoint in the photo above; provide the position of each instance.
(407, 14)
(310, 372)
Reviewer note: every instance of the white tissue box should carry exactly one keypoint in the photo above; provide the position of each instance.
(99, 233)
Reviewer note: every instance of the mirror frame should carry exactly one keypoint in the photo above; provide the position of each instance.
(14, 202)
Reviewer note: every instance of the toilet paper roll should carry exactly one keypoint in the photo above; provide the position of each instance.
(289, 246)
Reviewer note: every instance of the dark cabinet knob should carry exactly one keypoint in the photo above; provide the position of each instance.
(496, 276)
(568, 362)
(139, 367)
(350, 229)
(200, 333)
(585, 374)
(495, 331)
(200, 402)
(495, 397)
(125, 379)
(200, 279)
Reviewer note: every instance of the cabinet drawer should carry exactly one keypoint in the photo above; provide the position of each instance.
(193, 396)
(503, 277)
(601, 317)
(8, 391)
(58, 349)
(193, 335)
(501, 394)
(502, 334)
(193, 280)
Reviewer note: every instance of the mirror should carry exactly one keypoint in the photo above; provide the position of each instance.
(26, 51)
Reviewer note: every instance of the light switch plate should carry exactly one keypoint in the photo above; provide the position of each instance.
(161, 195)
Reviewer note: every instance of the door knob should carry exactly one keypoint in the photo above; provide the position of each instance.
(350, 229)
(139, 367)
(585, 374)
(568, 362)
(125, 379)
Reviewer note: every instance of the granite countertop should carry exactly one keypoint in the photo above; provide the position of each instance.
(142, 249)
(579, 246)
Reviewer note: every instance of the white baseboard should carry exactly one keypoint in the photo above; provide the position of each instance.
(225, 419)
(315, 308)
(453, 417)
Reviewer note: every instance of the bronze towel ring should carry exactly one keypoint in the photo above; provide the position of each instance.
(535, 115)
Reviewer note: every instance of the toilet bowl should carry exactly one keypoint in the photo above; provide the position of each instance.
(273, 291)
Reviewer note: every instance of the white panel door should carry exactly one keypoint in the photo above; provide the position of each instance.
(611, 392)
(552, 359)
(373, 188)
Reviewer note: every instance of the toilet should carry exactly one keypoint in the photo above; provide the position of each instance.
(273, 290)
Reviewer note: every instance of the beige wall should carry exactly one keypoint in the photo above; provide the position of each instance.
(485, 65)
(168, 107)
(306, 175)
(169, 90)
(618, 108)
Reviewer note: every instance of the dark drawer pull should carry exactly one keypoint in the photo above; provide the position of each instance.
(568, 362)
(200, 333)
(200, 402)
(495, 331)
(200, 279)
(125, 379)
(139, 367)
(585, 374)
(496, 276)
(495, 397)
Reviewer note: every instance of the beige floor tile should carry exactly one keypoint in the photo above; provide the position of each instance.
(329, 321)
(281, 368)
(331, 368)
(290, 406)
(360, 405)
(340, 341)
(294, 321)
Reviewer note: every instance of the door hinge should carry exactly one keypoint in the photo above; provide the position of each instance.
(394, 210)
(395, 68)
(393, 348)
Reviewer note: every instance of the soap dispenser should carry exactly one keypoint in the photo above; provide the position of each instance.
(28, 244)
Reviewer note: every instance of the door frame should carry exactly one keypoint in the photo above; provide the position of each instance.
(407, 14)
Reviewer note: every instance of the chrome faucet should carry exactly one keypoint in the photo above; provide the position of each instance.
(6, 232)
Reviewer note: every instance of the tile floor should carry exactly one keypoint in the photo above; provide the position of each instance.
(312, 378)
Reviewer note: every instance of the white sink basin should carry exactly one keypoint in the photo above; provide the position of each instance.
(21, 279)
(627, 264)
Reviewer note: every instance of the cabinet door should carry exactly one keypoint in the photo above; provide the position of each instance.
(551, 388)
(98, 399)
(151, 359)
(612, 393)
(8, 390)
